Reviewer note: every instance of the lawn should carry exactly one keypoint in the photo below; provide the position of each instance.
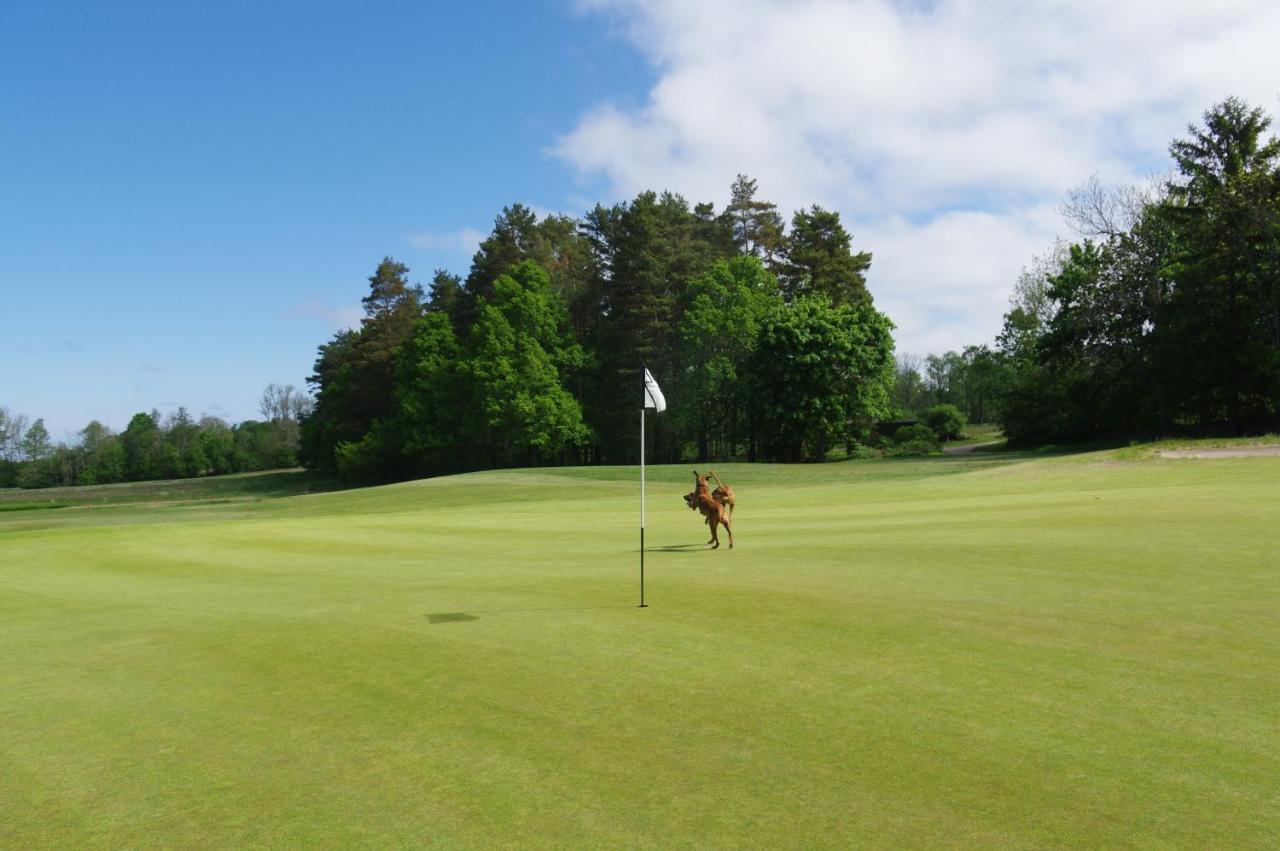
(984, 650)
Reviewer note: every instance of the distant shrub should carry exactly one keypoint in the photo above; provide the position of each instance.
(946, 421)
(369, 459)
(913, 447)
(41, 473)
(917, 432)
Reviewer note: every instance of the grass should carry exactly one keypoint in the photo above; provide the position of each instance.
(988, 650)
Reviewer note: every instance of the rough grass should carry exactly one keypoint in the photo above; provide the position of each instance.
(270, 484)
(14, 505)
(992, 650)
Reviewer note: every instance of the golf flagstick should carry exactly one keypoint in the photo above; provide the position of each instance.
(653, 398)
(643, 605)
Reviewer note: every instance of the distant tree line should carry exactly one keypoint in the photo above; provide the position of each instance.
(153, 447)
(967, 380)
(1164, 319)
(763, 336)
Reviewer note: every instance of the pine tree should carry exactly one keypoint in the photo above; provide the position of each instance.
(820, 260)
(756, 225)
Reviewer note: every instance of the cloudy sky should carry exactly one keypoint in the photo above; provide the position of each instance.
(191, 195)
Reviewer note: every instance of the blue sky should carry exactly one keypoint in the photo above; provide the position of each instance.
(193, 194)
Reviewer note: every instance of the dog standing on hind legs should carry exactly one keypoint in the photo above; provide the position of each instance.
(716, 513)
(723, 494)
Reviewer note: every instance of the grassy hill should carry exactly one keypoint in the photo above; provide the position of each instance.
(992, 649)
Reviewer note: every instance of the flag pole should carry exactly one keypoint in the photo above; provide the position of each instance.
(643, 605)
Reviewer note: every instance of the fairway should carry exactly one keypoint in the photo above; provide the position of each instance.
(981, 650)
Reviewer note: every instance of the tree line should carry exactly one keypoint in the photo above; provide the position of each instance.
(1163, 319)
(154, 447)
(763, 335)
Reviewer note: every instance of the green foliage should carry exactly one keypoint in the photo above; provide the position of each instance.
(756, 225)
(912, 449)
(104, 458)
(218, 442)
(820, 260)
(1170, 322)
(918, 432)
(946, 421)
(355, 372)
(432, 402)
(973, 380)
(365, 460)
(821, 374)
(494, 396)
(36, 445)
(554, 243)
(718, 335)
(1225, 308)
(140, 448)
(650, 251)
(39, 473)
(534, 358)
(519, 348)
(149, 449)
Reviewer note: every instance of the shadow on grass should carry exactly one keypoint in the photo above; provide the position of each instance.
(463, 617)
(451, 617)
(677, 548)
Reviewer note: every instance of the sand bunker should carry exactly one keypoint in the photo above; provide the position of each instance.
(1222, 452)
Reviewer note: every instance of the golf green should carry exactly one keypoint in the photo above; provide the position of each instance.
(985, 650)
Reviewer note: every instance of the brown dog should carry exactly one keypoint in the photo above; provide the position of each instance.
(717, 514)
(723, 494)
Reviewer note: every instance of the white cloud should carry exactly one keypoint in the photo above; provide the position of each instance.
(464, 241)
(946, 282)
(944, 132)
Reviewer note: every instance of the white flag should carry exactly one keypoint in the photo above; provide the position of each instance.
(653, 397)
